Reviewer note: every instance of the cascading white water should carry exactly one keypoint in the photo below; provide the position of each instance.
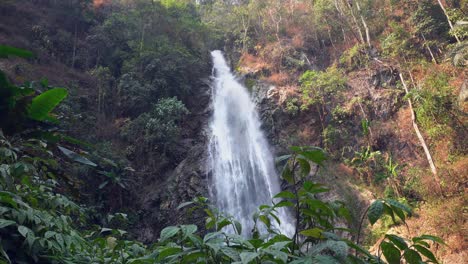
(243, 174)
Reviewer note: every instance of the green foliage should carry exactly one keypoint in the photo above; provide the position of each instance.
(368, 164)
(434, 103)
(16, 105)
(320, 86)
(160, 127)
(430, 20)
(43, 104)
(355, 57)
(315, 240)
(7, 51)
(160, 44)
(331, 135)
(398, 43)
(340, 114)
(37, 224)
(458, 54)
(395, 248)
(292, 106)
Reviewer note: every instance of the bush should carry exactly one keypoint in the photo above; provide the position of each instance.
(398, 42)
(158, 128)
(292, 106)
(355, 57)
(434, 103)
(320, 86)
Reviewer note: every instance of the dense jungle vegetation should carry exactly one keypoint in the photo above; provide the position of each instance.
(102, 101)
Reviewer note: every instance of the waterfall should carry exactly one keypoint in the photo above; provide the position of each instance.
(243, 172)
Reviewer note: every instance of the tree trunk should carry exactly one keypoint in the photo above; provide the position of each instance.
(429, 49)
(420, 137)
(364, 24)
(355, 22)
(448, 19)
(74, 46)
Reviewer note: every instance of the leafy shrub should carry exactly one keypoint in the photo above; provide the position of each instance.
(135, 96)
(320, 86)
(430, 20)
(398, 42)
(16, 105)
(159, 127)
(292, 106)
(434, 104)
(38, 224)
(355, 57)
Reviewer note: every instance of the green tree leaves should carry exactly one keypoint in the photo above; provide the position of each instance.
(375, 211)
(389, 207)
(391, 253)
(317, 87)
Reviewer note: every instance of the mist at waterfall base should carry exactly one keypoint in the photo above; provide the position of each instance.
(243, 172)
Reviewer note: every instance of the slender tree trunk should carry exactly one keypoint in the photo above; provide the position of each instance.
(74, 45)
(448, 19)
(420, 137)
(331, 39)
(364, 24)
(429, 49)
(246, 28)
(358, 28)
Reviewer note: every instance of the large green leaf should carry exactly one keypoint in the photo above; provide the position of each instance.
(398, 241)
(5, 223)
(313, 232)
(169, 251)
(285, 194)
(247, 257)
(425, 252)
(391, 253)
(44, 103)
(412, 257)
(399, 205)
(23, 230)
(168, 232)
(375, 211)
(305, 167)
(188, 229)
(6, 51)
(231, 253)
(287, 174)
(314, 154)
(76, 157)
(428, 237)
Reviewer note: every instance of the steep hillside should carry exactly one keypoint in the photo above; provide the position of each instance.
(121, 77)
(104, 130)
(339, 88)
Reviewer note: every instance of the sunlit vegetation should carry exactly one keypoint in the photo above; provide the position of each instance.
(104, 97)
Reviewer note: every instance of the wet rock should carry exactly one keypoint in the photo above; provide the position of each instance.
(385, 103)
(160, 192)
(384, 78)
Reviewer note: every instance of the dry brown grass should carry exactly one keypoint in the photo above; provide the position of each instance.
(251, 63)
(99, 3)
(278, 79)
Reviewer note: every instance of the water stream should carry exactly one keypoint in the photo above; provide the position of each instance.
(244, 175)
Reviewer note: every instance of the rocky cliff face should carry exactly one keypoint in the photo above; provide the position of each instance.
(372, 94)
(379, 100)
(159, 197)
